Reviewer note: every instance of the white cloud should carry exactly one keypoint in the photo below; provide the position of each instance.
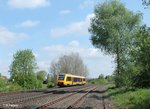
(5, 64)
(31, 4)
(80, 27)
(4, 69)
(29, 23)
(73, 46)
(87, 3)
(43, 65)
(7, 37)
(74, 43)
(63, 12)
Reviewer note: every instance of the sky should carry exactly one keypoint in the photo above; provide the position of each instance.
(52, 28)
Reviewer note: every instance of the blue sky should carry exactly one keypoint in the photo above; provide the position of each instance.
(52, 28)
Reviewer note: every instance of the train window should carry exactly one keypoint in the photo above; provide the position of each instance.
(74, 79)
(61, 77)
(68, 78)
(78, 79)
(83, 79)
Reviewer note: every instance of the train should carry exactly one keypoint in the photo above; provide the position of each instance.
(70, 80)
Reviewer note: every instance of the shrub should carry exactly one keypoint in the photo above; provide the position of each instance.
(50, 84)
(14, 87)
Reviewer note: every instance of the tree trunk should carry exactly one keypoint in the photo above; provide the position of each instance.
(118, 59)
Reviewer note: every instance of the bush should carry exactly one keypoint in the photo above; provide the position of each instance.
(93, 82)
(50, 84)
(14, 87)
(98, 81)
(3, 82)
(39, 84)
(10, 87)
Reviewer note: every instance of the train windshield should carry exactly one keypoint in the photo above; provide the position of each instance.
(61, 77)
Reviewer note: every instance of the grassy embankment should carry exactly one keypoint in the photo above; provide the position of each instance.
(130, 99)
(11, 87)
(126, 99)
(7, 86)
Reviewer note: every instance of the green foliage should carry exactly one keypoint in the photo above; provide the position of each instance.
(109, 78)
(41, 75)
(10, 87)
(22, 69)
(101, 76)
(98, 81)
(50, 84)
(39, 83)
(113, 30)
(50, 78)
(102, 80)
(51, 81)
(6, 86)
(132, 99)
(112, 25)
(3, 81)
(146, 2)
(13, 87)
(142, 57)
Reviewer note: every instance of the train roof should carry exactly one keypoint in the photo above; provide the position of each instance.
(72, 75)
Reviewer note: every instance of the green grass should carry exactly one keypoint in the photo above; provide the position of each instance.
(98, 81)
(10, 87)
(133, 99)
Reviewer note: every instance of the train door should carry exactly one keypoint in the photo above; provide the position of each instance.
(72, 79)
(68, 80)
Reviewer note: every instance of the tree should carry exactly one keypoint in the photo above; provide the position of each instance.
(49, 78)
(41, 75)
(112, 29)
(50, 81)
(142, 57)
(3, 81)
(22, 69)
(146, 2)
(101, 76)
(71, 64)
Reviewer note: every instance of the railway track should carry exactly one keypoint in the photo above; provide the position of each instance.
(79, 99)
(82, 93)
(67, 98)
(30, 99)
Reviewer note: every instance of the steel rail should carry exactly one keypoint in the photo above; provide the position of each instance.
(34, 98)
(59, 99)
(78, 100)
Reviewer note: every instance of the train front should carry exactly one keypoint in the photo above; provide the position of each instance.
(60, 80)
